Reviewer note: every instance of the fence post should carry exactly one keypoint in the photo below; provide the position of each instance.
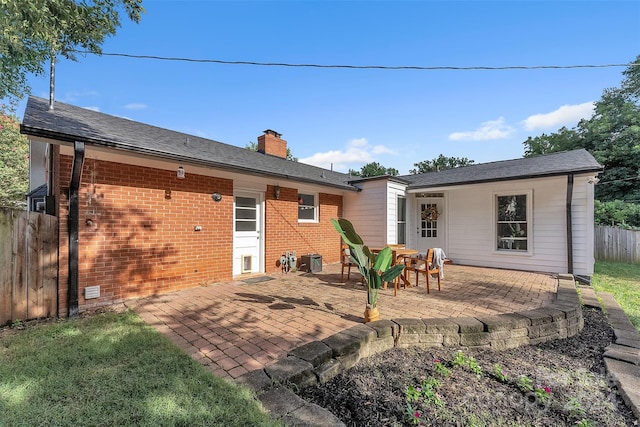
(6, 269)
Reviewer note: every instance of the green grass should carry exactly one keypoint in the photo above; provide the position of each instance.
(111, 369)
(622, 280)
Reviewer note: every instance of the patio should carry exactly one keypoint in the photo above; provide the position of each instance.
(236, 327)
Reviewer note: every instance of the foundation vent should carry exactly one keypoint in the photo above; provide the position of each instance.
(91, 292)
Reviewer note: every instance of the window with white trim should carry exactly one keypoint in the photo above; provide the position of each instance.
(307, 207)
(401, 230)
(513, 222)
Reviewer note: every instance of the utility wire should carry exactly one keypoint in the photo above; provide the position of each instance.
(618, 180)
(369, 67)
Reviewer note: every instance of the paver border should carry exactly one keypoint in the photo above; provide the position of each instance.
(622, 358)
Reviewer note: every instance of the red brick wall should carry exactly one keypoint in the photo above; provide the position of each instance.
(141, 241)
(136, 240)
(284, 233)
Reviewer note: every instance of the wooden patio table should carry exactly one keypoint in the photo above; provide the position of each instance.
(399, 254)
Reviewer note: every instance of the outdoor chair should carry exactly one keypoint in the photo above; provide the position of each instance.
(345, 259)
(425, 266)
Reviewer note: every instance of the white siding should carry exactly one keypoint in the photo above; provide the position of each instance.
(470, 222)
(471, 226)
(367, 211)
(583, 228)
(394, 190)
(36, 164)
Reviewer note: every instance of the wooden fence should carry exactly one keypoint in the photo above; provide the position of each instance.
(28, 265)
(617, 244)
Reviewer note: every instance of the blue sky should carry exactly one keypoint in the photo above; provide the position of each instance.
(350, 117)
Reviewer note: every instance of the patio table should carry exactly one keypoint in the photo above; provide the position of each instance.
(399, 254)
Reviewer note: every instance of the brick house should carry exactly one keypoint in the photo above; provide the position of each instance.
(144, 210)
(157, 210)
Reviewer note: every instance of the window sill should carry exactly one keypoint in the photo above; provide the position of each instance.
(513, 253)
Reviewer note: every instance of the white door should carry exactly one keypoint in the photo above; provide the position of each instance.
(247, 236)
(430, 223)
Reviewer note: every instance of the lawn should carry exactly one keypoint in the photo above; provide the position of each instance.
(111, 369)
(622, 280)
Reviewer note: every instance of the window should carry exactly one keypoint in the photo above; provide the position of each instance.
(307, 208)
(246, 214)
(512, 226)
(401, 230)
(429, 220)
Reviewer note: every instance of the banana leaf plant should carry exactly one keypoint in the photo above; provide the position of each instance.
(375, 268)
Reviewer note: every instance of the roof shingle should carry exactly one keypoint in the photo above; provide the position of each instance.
(561, 163)
(69, 123)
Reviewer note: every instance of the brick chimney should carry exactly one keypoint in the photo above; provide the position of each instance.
(271, 143)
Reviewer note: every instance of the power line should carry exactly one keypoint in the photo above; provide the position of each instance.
(618, 180)
(368, 67)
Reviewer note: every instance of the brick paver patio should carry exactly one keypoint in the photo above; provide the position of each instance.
(236, 327)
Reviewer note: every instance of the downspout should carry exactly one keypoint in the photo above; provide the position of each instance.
(73, 226)
(569, 224)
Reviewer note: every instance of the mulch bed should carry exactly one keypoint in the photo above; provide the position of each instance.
(393, 388)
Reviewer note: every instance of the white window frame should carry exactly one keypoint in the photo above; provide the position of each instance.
(315, 207)
(528, 193)
(399, 221)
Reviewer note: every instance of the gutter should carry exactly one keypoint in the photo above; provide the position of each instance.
(416, 188)
(73, 226)
(569, 224)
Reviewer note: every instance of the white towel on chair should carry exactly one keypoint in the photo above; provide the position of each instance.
(438, 259)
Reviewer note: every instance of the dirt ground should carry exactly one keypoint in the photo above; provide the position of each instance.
(565, 385)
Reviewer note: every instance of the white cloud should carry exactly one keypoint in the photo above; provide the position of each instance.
(381, 149)
(358, 142)
(356, 154)
(135, 106)
(492, 129)
(92, 108)
(567, 115)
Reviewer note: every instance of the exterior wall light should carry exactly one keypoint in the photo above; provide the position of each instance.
(276, 192)
(216, 197)
(180, 173)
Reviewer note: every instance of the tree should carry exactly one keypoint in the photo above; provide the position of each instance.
(563, 140)
(617, 213)
(611, 135)
(442, 162)
(253, 146)
(14, 163)
(34, 32)
(373, 169)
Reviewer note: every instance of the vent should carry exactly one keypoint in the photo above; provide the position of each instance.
(246, 263)
(91, 292)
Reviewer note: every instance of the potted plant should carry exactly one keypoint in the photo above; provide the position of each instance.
(375, 268)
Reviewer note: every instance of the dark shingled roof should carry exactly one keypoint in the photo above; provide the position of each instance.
(561, 163)
(69, 123)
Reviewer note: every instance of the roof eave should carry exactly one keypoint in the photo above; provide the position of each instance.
(359, 180)
(413, 188)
